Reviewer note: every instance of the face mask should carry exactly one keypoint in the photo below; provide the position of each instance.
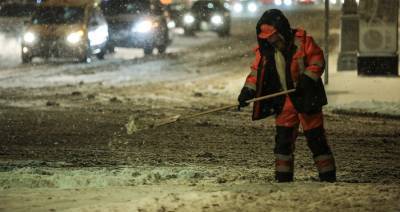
(277, 41)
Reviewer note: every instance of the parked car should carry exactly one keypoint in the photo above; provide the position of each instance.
(72, 28)
(137, 24)
(207, 15)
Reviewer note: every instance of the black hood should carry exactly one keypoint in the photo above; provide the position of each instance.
(275, 18)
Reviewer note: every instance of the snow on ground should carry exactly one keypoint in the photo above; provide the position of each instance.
(58, 72)
(64, 178)
(182, 189)
(346, 90)
(350, 92)
(365, 183)
(389, 109)
(10, 53)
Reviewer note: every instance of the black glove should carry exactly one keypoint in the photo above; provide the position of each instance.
(310, 95)
(245, 94)
(300, 86)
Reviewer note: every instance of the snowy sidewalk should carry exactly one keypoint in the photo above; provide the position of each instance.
(348, 91)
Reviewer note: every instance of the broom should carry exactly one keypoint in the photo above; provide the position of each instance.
(179, 117)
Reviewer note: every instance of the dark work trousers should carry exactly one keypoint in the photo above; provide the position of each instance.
(287, 124)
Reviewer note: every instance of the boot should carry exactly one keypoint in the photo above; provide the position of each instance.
(284, 160)
(326, 167)
(328, 176)
(284, 177)
(284, 168)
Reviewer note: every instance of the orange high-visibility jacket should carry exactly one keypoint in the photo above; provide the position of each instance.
(307, 59)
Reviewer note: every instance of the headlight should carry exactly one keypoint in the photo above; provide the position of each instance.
(216, 19)
(278, 2)
(98, 36)
(143, 26)
(287, 2)
(75, 37)
(25, 50)
(171, 24)
(227, 5)
(29, 37)
(188, 19)
(238, 7)
(252, 7)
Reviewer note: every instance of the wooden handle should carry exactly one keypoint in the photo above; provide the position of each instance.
(225, 107)
(270, 96)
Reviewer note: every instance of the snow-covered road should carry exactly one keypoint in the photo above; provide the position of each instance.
(116, 68)
(69, 138)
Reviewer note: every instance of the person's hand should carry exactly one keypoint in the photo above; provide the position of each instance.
(304, 84)
(299, 86)
(309, 95)
(245, 94)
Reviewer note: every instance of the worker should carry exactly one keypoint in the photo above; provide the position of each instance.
(285, 59)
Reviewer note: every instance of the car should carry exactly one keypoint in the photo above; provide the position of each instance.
(285, 3)
(207, 15)
(247, 7)
(137, 24)
(65, 28)
(306, 2)
(175, 14)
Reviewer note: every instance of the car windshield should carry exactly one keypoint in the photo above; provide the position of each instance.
(207, 6)
(113, 7)
(58, 15)
(16, 10)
